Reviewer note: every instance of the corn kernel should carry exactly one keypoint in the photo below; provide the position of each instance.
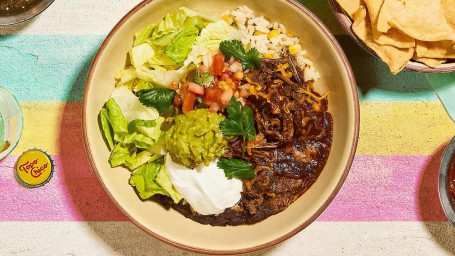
(227, 19)
(295, 49)
(268, 56)
(273, 34)
(258, 33)
(316, 107)
(236, 94)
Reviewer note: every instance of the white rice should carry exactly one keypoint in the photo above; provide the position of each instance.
(255, 32)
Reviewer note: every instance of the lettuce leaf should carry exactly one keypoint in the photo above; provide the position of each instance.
(139, 140)
(149, 54)
(117, 121)
(160, 76)
(196, 21)
(139, 145)
(144, 34)
(180, 46)
(150, 179)
(125, 75)
(209, 40)
(131, 107)
(105, 126)
(172, 23)
(122, 154)
(142, 85)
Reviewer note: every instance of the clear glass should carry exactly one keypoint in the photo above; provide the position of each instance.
(11, 122)
(444, 87)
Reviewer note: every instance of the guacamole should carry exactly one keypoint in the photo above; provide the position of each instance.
(196, 138)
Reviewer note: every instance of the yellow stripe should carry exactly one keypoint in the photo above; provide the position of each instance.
(55, 127)
(403, 128)
(386, 128)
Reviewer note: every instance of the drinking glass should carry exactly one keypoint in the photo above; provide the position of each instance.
(444, 87)
(11, 122)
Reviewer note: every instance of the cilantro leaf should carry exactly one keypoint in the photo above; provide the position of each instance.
(236, 168)
(204, 78)
(239, 122)
(159, 98)
(234, 48)
(252, 59)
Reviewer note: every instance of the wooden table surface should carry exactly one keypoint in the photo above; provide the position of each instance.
(388, 205)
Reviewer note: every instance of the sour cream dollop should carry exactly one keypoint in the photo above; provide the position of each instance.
(205, 188)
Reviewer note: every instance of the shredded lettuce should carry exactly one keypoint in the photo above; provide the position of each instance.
(180, 46)
(131, 107)
(144, 34)
(151, 178)
(125, 76)
(117, 121)
(149, 54)
(105, 126)
(173, 22)
(209, 40)
(159, 76)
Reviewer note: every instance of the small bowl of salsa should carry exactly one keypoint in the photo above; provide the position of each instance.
(16, 11)
(447, 181)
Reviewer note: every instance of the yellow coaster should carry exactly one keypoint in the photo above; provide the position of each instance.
(34, 168)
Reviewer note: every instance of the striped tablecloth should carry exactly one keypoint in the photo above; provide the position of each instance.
(388, 205)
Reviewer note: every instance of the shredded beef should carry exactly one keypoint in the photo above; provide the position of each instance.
(293, 141)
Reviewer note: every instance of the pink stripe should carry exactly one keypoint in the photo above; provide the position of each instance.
(389, 188)
(73, 194)
(378, 188)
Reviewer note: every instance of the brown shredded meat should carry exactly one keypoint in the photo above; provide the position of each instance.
(293, 141)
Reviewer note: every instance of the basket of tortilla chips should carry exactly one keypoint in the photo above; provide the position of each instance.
(415, 35)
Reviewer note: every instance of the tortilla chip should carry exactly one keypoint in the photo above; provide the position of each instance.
(349, 6)
(395, 57)
(394, 36)
(449, 11)
(436, 50)
(432, 63)
(422, 19)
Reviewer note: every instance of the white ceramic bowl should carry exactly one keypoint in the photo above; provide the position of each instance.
(169, 225)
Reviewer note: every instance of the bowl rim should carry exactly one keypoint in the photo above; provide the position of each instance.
(297, 229)
(443, 181)
(20, 122)
(25, 15)
(346, 22)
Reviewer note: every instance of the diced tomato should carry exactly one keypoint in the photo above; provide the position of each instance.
(177, 101)
(195, 88)
(213, 94)
(173, 85)
(225, 76)
(226, 96)
(218, 64)
(188, 102)
(214, 107)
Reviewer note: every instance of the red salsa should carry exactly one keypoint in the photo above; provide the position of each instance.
(15, 6)
(452, 180)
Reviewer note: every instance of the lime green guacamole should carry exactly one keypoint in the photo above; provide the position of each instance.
(196, 138)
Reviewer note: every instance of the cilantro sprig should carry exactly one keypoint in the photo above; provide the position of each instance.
(239, 122)
(235, 49)
(236, 168)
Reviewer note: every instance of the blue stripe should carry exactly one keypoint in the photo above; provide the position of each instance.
(55, 67)
(46, 67)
